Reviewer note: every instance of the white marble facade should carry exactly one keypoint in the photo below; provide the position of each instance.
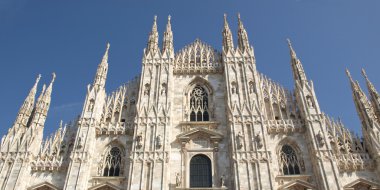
(200, 118)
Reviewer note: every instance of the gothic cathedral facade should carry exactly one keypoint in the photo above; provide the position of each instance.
(195, 119)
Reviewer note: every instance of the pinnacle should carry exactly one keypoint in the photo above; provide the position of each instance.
(348, 73)
(293, 53)
(108, 46)
(364, 74)
(54, 75)
(38, 78)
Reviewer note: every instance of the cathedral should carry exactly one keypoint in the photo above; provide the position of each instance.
(198, 118)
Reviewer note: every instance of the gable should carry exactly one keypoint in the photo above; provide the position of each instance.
(104, 186)
(297, 184)
(199, 131)
(362, 184)
(43, 186)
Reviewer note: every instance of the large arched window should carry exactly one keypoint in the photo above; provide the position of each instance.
(112, 162)
(289, 163)
(200, 171)
(199, 104)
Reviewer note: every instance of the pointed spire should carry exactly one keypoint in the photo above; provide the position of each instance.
(101, 73)
(47, 94)
(374, 95)
(228, 43)
(105, 56)
(153, 37)
(33, 91)
(27, 107)
(43, 101)
(243, 42)
(32, 94)
(298, 71)
(371, 88)
(167, 42)
(356, 90)
(359, 96)
(39, 99)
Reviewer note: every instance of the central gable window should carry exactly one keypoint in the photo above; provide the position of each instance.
(199, 104)
(112, 162)
(289, 162)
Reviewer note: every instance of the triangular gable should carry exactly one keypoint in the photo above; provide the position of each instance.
(43, 185)
(361, 181)
(297, 183)
(211, 134)
(105, 186)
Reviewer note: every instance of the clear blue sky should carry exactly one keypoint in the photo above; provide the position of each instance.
(69, 37)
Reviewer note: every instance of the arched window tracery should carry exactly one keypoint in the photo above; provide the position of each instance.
(112, 162)
(199, 103)
(289, 161)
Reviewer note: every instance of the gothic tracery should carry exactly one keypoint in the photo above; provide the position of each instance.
(199, 103)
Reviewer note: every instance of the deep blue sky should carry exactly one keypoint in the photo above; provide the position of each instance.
(69, 37)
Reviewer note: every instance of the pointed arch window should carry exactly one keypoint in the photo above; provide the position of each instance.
(199, 104)
(289, 163)
(112, 162)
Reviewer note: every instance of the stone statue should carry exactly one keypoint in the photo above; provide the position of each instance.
(319, 138)
(79, 144)
(159, 141)
(147, 89)
(239, 140)
(222, 180)
(309, 102)
(139, 140)
(259, 141)
(177, 180)
(163, 90)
